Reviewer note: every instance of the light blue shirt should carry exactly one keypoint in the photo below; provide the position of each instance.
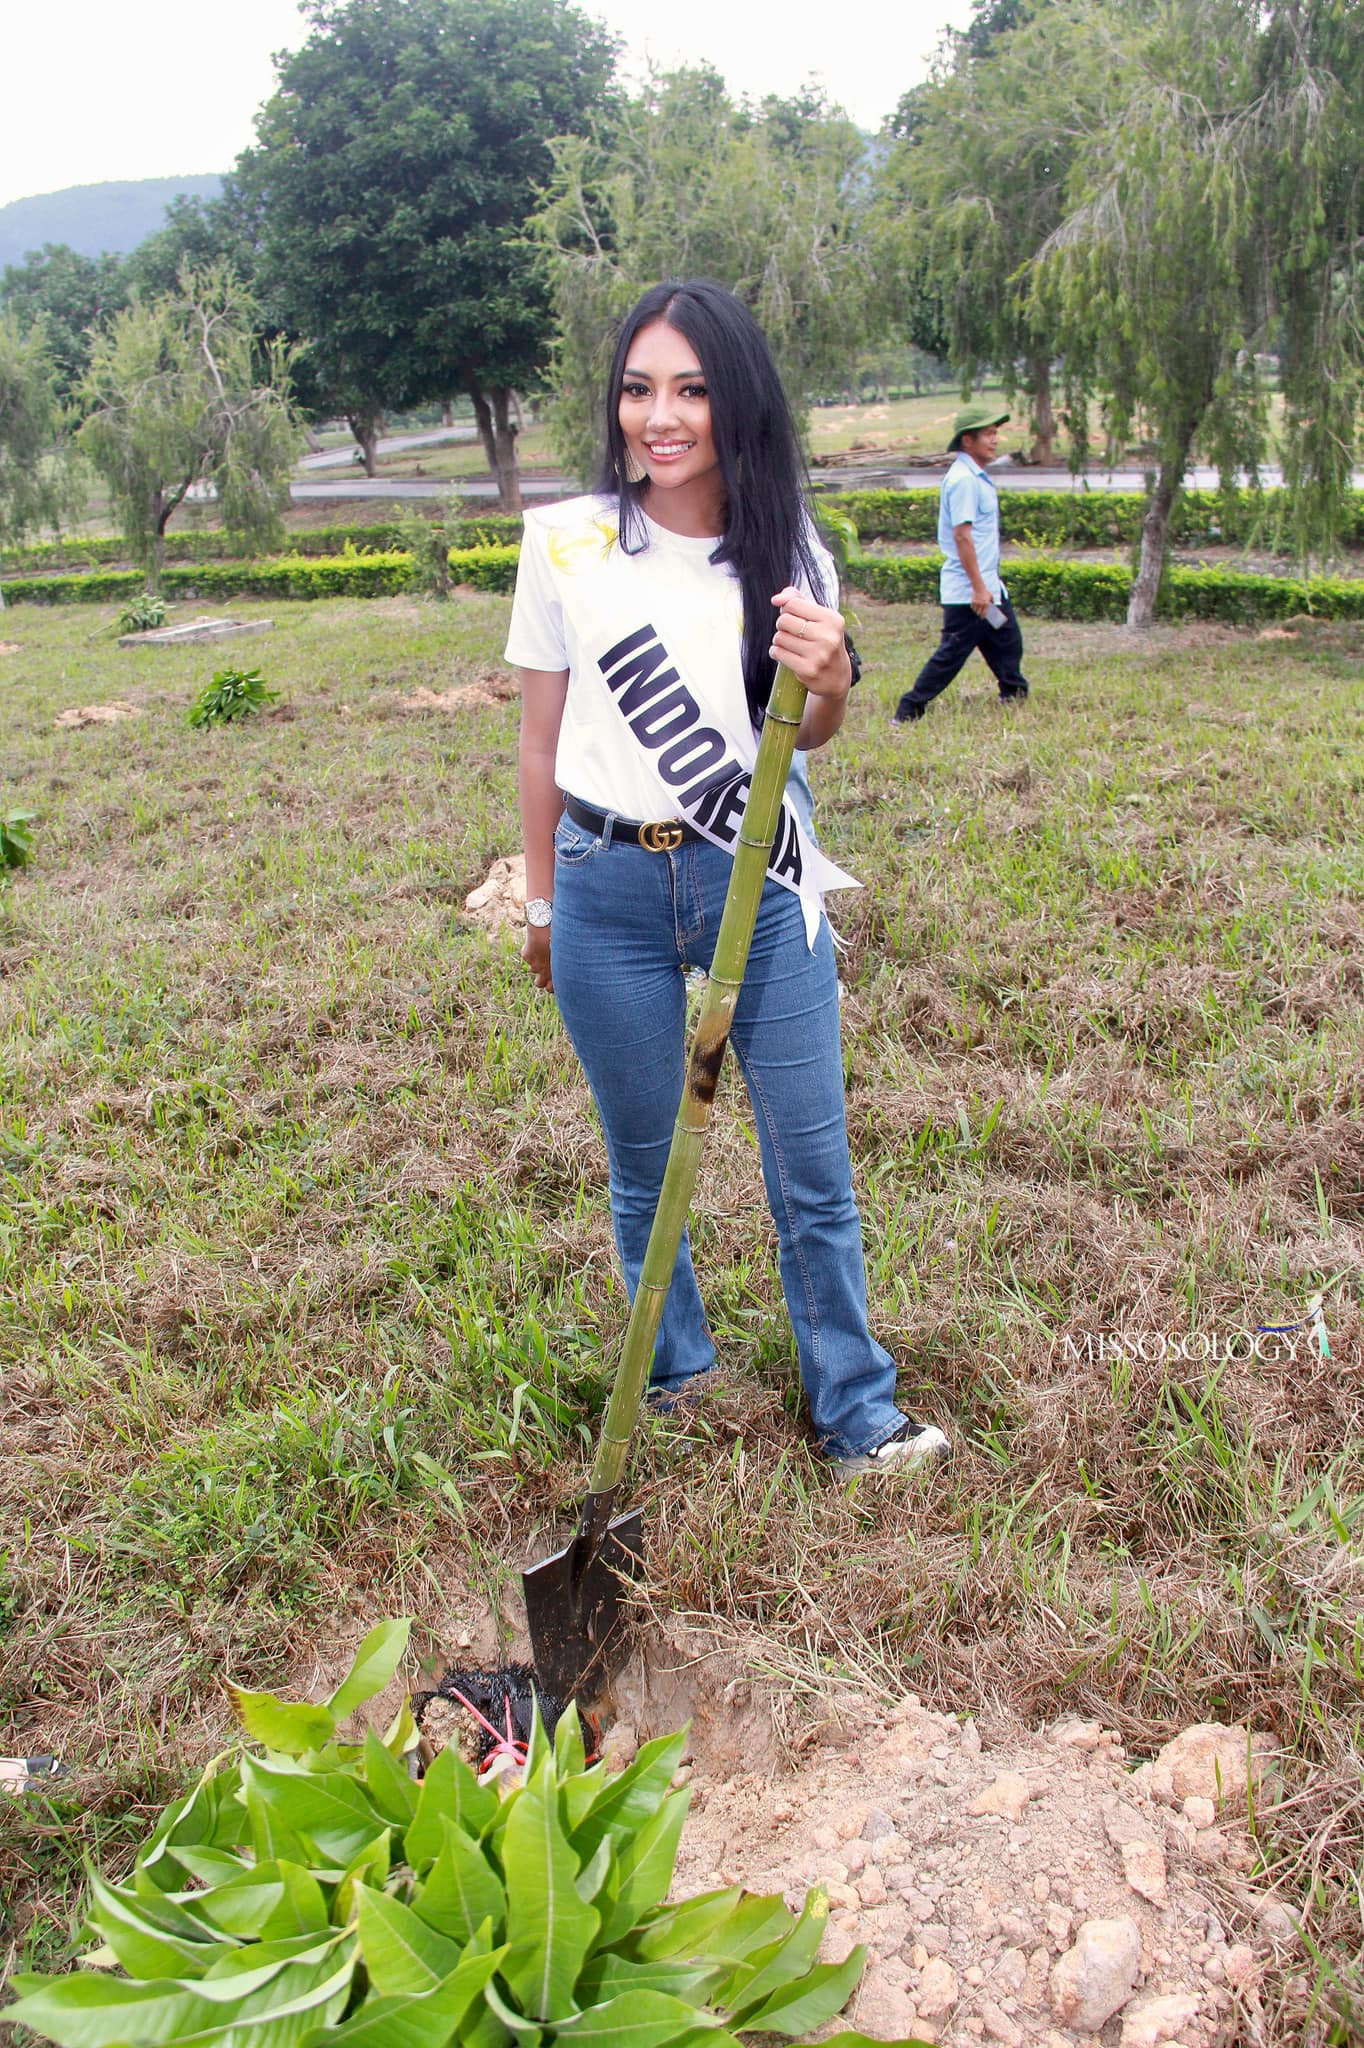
(968, 498)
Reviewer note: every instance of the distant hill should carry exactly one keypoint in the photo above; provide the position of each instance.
(95, 218)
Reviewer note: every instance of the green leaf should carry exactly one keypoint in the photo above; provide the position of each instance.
(291, 1729)
(811, 2000)
(424, 2020)
(271, 1839)
(549, 1929)
(462, 1890)
(390, 1787)
(257, 1963)
(852, 2039)
(370, 1869)
(143, 1948)
(376, 1660)
(636, 2019)
(644, 1869)
(450, 1791)
(538, 1748)
(523, 2031)
(402, 1954)
(401, 1733)
(580, 1793)
(208, 1817)
(273, 1902)
(331, 1811)
(607, 1974)
(570, 1757)
(769, 1970)
(627, 1801)
(107, 2012)
(695, 1927)
(593, 1875)
(210, 1866)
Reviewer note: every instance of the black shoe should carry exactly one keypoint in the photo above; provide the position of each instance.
(1012, 696)
(908, 717)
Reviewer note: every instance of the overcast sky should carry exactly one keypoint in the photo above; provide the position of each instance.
(100, 89)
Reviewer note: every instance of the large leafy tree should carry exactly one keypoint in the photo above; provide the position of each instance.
(689, 183)
(394, 170)
(71, 296)
(1216, 212)
(179, 394)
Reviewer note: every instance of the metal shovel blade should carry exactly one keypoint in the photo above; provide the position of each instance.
(573, 1605)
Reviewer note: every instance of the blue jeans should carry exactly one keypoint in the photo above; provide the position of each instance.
(628, 924)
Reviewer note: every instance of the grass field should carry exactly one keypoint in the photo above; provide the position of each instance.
(307, 1279)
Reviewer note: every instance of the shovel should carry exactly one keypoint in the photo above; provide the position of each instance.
(573, 1599)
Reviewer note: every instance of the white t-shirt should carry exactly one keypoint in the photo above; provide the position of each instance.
(578, 597)
(655, 720)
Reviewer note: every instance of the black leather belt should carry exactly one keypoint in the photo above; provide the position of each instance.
(658, 837)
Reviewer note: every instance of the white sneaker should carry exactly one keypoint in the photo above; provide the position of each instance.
(914, 1443)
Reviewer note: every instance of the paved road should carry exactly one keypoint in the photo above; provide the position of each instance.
(549, 487)
(1006, 474)
(389, 444)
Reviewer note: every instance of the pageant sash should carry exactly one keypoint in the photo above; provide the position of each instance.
(698, 769)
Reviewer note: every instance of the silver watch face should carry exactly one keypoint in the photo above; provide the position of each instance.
(539, 911)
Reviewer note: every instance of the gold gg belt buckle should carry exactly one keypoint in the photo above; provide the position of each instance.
(661, 838)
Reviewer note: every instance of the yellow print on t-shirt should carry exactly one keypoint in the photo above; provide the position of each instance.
(576, 549)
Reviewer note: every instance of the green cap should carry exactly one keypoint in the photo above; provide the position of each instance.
(970, 420)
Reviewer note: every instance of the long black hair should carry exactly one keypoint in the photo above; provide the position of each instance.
(767, 536)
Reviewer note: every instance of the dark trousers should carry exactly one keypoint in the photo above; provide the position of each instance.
(963, 630)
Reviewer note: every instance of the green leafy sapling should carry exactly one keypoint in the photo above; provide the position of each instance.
(233, 693)
(307, 1890)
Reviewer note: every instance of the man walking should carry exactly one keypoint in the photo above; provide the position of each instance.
(975, 607)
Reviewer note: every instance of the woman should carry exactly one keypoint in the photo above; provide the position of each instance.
(647, 626)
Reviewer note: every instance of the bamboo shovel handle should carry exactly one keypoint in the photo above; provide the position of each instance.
(757, 828)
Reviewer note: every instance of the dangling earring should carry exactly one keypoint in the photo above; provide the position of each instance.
(634, 469)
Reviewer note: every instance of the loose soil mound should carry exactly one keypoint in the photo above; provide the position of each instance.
(1017, 1888)
(77, 715)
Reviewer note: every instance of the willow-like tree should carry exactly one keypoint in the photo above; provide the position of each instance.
(688, 183)
(180, 393)
(1216, 213)
(34, 490)
(975, 182)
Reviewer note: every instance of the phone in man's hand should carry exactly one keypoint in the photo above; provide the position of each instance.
(994, 617)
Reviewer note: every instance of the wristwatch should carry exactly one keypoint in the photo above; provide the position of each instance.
(539, 911)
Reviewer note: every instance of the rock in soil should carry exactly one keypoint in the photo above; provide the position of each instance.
(499, 901)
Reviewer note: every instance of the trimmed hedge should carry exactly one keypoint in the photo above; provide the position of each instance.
(1049, 590)
(1100, 590)
(1086, 518)
(292, 576)
(212, 544)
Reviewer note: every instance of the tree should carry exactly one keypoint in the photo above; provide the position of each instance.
(198, 234)
(72, 296)
(177, 395)
(1220, 203)
(394, 170)
(688, 183)
(33, 478)
(976, 182)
